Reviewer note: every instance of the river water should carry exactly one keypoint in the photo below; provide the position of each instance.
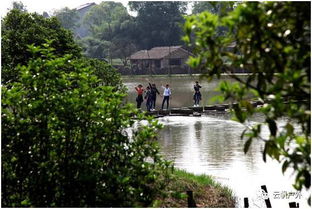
(211, 145)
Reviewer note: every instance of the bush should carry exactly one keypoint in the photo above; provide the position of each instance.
(64, 142)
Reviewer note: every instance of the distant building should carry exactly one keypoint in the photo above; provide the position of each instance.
(159, 58)
(83, 30)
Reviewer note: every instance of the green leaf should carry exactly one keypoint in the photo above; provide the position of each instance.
(217, 99)
(272, 126)
(243, 134)
(285, 166)
(300, 139)
(290, 129)
(25, 203)
(247, 145)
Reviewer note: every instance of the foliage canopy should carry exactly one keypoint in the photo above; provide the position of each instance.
(112, 32)
(64, 125)
(215, 7)
(20, 29)
(64, 140)
(158, 23)
(68, 18)
(271, 40)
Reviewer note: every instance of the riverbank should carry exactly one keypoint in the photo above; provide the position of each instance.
(207, 193)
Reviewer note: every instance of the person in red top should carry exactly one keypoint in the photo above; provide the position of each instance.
(140, 92)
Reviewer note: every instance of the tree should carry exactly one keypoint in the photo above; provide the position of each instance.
(65, 141)
(94, 48)
(158, 23)
(19, 6)
(272, 41)
(217, 8)
(106, 73)
(123, 49)
(20, 29)
(68, 18)
(124, 40)
(110, 26)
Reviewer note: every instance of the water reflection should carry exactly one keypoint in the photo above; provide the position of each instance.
(212, 145)
(217, 141)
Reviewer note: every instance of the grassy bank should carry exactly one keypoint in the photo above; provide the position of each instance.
(206, 192)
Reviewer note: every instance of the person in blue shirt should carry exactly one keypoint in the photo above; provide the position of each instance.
(167, 94)
(148, 97)
(154, 91)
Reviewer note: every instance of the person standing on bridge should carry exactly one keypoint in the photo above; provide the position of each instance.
(148, 97)
(154, 91)
(197, 94)
(139, 98)
(167, 94)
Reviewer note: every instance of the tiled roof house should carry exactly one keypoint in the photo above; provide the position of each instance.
(160, 57)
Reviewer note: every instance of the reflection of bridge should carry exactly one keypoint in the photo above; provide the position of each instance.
(196, 111)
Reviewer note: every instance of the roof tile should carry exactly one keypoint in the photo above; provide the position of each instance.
(155, 53)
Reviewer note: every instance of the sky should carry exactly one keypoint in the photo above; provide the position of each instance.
(49, 6)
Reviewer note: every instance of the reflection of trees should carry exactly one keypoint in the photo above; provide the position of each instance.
(254, 154)
(170, 139)
(214, 142)
(218, 143)
(223, 146)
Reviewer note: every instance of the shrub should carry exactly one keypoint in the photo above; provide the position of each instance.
(64, 142)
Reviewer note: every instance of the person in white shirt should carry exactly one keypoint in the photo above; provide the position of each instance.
(167, 94)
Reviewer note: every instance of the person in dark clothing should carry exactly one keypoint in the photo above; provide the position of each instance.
(148, 97)
(197, 94)
(139, 98)
(154, 91)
